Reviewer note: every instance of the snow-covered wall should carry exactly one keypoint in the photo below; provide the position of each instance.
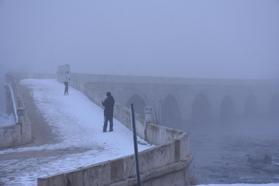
(164, 165)
(19, 133)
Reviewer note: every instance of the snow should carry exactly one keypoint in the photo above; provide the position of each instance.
(6, 120)
(78, 123)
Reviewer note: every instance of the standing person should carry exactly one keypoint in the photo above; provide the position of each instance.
(66, 83)
(108, 112)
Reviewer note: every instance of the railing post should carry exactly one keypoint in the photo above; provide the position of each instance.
(148, 118)
(148, 115)
(20, 113)
(135, 145)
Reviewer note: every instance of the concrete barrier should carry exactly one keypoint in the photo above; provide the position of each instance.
(163, 165)
(20, 133)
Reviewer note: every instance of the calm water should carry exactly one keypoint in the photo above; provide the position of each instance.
(235, 152)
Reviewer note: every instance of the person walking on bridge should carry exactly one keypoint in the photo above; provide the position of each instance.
(108, 103)
(66, 83)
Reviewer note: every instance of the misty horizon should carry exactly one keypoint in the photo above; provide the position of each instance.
(193, 39)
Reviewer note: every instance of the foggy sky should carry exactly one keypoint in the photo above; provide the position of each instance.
(190, 38)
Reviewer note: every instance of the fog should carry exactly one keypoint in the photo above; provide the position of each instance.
(198, 38)
(236, 39)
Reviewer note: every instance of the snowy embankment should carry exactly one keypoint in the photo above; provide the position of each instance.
(77, 123)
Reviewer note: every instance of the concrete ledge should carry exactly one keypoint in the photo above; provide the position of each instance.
(157, 174)
(122, 171)
(10, 135)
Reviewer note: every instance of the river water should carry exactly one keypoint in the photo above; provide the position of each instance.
(239, 152)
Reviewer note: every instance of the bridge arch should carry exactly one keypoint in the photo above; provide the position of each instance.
(139, 103)
(227, 109)
(200, 108)
(170, 112)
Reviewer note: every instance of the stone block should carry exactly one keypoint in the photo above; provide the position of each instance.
(117, 170)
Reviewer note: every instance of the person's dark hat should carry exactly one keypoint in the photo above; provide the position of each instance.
(108, 94)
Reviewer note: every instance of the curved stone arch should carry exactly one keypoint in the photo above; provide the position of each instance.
(139, 103)
(201, 107)
(136, 90)
(227, 108)
(126, 91)
(251, 106)
(274, 105)
(170, 111)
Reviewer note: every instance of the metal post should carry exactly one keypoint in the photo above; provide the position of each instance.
(135, 144)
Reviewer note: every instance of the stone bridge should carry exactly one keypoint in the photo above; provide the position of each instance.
(176, 101)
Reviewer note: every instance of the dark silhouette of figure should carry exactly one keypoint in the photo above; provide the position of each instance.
(66, 83)
(66, 91)
(108, 103)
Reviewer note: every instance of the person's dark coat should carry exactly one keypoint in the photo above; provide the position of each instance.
(108, 104)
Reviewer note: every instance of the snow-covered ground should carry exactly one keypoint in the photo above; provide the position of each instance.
(78, 124)
(6, 120)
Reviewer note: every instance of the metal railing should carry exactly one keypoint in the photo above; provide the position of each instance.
(14, 103)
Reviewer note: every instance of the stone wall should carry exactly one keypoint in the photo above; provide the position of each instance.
(181, 103)
(20, 133)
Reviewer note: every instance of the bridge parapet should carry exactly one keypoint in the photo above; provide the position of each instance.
(20, 132)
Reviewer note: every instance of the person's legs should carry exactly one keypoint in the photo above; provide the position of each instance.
(111, 124)
(105, 124)
(65, 89)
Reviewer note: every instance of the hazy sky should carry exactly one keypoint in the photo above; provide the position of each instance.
(191, 38)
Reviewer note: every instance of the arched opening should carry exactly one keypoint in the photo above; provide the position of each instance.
(227, 109)
(274, 105)
(251, 106)
(170, 112)
(200, 108)
(139, 104)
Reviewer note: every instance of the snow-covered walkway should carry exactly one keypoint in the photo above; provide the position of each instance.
(76, 123)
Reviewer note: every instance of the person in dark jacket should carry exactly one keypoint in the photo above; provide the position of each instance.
(108, 103)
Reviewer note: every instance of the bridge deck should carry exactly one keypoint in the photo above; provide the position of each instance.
(76, 127)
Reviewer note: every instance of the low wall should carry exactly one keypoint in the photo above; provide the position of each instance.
(20, 133)
(162, 165)
(165, 164)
